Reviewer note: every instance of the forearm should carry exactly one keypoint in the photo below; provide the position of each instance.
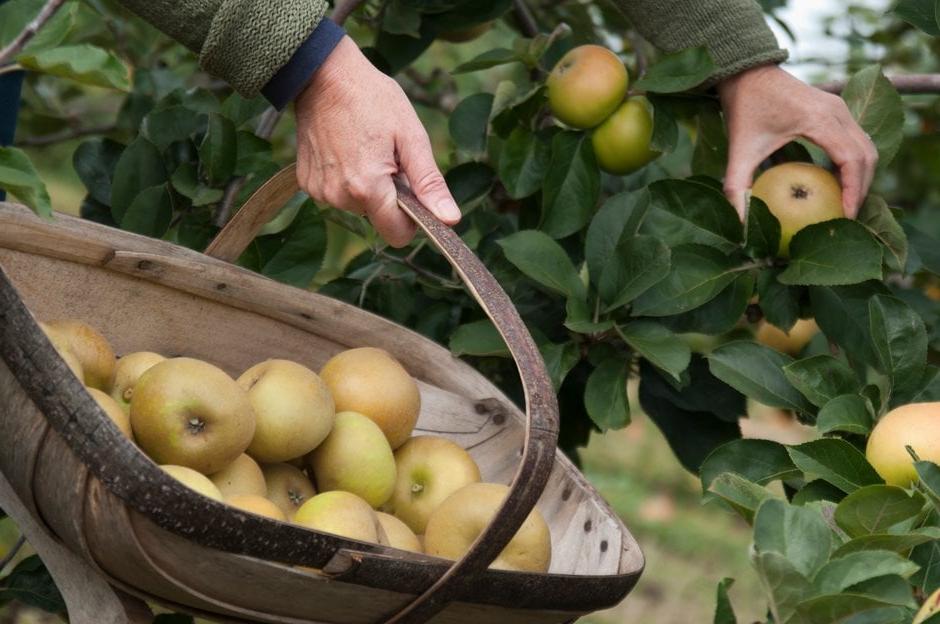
(734, 31)
(245, 42)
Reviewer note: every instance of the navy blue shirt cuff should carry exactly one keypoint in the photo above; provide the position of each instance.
(291, 79)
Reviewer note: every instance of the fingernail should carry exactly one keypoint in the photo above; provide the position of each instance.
(447, 209)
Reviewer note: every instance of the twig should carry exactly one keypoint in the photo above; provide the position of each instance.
(66, 134)
(407, 261)
(13, 551)
(908, 84)
(639, 52)
(344, 9)
(525, 18)
(19, 42)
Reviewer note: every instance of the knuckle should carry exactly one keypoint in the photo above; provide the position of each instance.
(357, 188)
(429, 182)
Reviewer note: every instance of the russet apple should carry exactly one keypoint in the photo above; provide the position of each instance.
(242, 477)
(622, 142)
(194, 481)
(110, 407)
(340, 513)
(586, 85)
(916, 425)
(88, 346)
(128, 370)
(287, 487)
(256, 505)
(397, 533)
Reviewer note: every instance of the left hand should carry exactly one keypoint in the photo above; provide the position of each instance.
(765, 108)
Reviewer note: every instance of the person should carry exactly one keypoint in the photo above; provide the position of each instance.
(356, 128)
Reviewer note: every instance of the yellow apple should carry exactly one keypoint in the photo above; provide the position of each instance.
(242, 477)
(586, 86)
(792, 342)
(287, 487)
(190, 413)
(798, 194)
(429, 470)
(456, 524)
(622, 143)
(397, 533)
(110, 407)
(293, 410)
(194, 481)
(356, 458)
(128, 370)
(372, 382)
(930, 608)
(89, 347)
(340, 513)
(257, 505)
(916, 425)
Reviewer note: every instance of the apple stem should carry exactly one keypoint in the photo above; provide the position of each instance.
(416, 488)
(196, 425)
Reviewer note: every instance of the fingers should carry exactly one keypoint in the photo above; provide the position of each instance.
(387, 218)
(742, 162)
(417, 163)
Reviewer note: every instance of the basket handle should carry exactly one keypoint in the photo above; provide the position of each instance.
(541, 428)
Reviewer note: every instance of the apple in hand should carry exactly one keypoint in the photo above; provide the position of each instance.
(622, 143)
(372, 382)
(242, 477)
(586, 86)
(356, 458)
(89, 347)
(128, 370)
(194, 481)
(340, 513)
(456, 524)
(287, 487)
(190, 413)
(293, 410)
(429, 470)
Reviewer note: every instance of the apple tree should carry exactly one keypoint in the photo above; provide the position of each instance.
(648, 276)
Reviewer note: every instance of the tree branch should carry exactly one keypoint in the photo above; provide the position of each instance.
(525, 18)
(909, 84)
(13, 551)
(19, 42)
(66, 134)
(344, 9)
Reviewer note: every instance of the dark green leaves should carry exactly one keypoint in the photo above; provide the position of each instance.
(876, 106)
(469, 122)
(488, 59)
(757, 372)
(694, 213)
(294, 255)
(798, 533)
(637, 263)
(139, 167)
(217, 153)
(657, 344)
(833, 253)
(679, 71)
(605, 396)
(617, 217)
(572, 185)
(150, 212)
(478, 338)
(763, 230)
(20, 178)
(760, 461)
(31, 584)
(900, 342)
(876, 508)
(696, 275)
(924, 14)
(836, 461)
(877, 217)
(821, 378)
(543, 260)
(849, 413)
(523, 162)
(94, 161)
(85, 64)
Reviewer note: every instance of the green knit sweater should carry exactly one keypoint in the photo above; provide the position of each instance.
(246, 41)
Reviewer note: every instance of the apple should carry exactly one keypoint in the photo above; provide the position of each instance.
(194, 481)
(798, 194)
(356, 458)
(287, 487)
(792, 342)
(372, 382)
(88, 346)
(190, 413)
(242, 477)
(110, 407)
(930, 608)
(397, 533)
(340, 513)
(456, 524)
(257, 505)
(293, 410)
(74, 365)
(622, 143)
(916, 425)
(128, 370)
(462, 35)
(429, 470)
(586, 85)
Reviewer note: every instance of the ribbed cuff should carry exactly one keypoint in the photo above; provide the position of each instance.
(291, 79)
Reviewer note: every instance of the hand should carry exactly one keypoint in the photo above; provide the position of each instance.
(766, 108)
(355, 130)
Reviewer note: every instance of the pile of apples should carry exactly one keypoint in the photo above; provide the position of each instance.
(332, 451)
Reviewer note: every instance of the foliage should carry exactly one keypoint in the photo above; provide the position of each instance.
(617, 277)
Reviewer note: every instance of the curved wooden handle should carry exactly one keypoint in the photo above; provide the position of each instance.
(538, 453)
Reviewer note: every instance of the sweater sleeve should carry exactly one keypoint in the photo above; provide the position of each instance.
(734, 31)
(244, 42)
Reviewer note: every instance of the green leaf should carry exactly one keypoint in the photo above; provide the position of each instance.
(833, 253)
(620, 216)
(19, 177)
(578, 318)
(927, 556)
(400, 18)
(254, 154)
(757, 372)
(840, 574)
(762, 239)
(295, 255)
(800, 534)
(84, 63)
(835, 461)
(923, 14)
(523, 162)
(572, 185)
(899, 338)
(637, 264)
(31, 584)
(899, 543)
(469, 122)
(850, 413)
(779, 303)
(743, 496)
(679, 71)
(469, 182)
(543, 260)
(243, 110)
(139, 167)
(759, 461)
(842, 608)
(605, 395)
(817, 491)
(842, 314)
(821, 378)
(218, 151)
(174, 123)
(559, 360)
(876, 106)
(700, 214)
(150, 213)
(665, 128)
(658, 345)
(700, 391)
(721, 314)
(488, 59)
(94, 162)
(877, 217)
(16, 14)
(783, 584)
(875, 509)
(285, 216)
(724, 611)
(186, 181)
(710, 156)
(696, 275)
(929, 475)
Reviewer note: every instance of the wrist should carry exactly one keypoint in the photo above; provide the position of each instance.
(728, 87)
(306, 62)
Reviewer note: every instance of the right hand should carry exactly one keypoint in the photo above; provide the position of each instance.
(356, 129)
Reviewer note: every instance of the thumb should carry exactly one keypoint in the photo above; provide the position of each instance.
(738, 177)
(417, 163)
